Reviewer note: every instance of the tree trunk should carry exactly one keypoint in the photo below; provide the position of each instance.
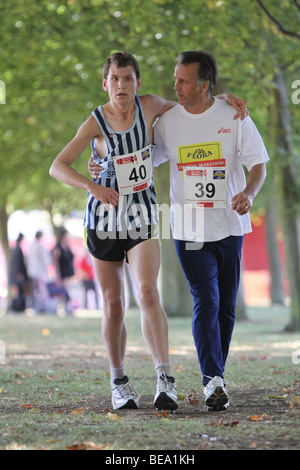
(5, 243)
(241, 308)
(276, 291)
(176, 297)
(286, 186)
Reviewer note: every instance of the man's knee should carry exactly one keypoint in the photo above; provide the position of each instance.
(147, 294)
(114, 307)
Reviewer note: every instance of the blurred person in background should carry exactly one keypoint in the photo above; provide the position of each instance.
(88, 279)
(18, 277)
(38, 263)
(63, 259)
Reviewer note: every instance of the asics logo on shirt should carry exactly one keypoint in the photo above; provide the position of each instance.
(224, 131)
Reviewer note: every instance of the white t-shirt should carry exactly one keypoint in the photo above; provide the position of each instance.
(38, 261)
(184, 137)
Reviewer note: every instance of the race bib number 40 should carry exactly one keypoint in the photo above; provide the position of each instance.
(134, 171)
(205, 184)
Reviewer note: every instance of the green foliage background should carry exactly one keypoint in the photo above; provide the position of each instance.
(51, 57)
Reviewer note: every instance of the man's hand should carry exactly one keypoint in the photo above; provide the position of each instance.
(108, 196)
(94, 168)
(238, 104)
(241, 203)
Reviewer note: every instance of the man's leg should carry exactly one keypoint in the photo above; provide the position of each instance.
(201, 270)
(213, 275)
(144, 262)
(228, 255)
(229, 275)
(110, 275)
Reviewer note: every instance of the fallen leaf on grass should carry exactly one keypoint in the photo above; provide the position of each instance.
(297, 400)
(284, 397)
(87, 446)
(49, 377)
(234, 423)
(77, 447)
(45, 332)
(27, 406)
(78, 411)
(163, 414)
(280, 397)
(105, 411)
(113, 416)
(225, 423)
(257, 417)
(193, 399)
(181, 397)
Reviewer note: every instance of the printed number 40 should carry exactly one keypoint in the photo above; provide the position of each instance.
(134, 175)
(208, 190)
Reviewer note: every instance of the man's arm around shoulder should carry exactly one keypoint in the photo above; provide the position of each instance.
(155, 106)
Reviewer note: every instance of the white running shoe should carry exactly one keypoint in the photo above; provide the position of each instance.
(123, 395)
(216, 395)
(166, 393)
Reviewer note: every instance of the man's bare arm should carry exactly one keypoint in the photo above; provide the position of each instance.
(242, 202)
(62, 169)
(154, 106)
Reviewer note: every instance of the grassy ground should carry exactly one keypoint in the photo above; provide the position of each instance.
(54, 388)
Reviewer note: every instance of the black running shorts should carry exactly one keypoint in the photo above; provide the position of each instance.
(114, 247)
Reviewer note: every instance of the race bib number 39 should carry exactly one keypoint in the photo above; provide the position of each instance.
(134, 171)
(205, 184)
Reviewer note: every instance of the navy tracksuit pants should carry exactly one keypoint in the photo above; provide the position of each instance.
(213, 274)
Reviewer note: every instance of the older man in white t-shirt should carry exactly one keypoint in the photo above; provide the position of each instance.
(210, 201)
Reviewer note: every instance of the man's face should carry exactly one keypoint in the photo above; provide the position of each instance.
(187, 88)
(121, 84)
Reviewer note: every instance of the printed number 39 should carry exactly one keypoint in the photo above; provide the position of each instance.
(207, 190)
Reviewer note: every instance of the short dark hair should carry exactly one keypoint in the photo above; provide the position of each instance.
(122, 59)
(208, 67)
(20, 237)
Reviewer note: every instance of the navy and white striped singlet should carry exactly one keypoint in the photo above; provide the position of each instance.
(134, 210)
